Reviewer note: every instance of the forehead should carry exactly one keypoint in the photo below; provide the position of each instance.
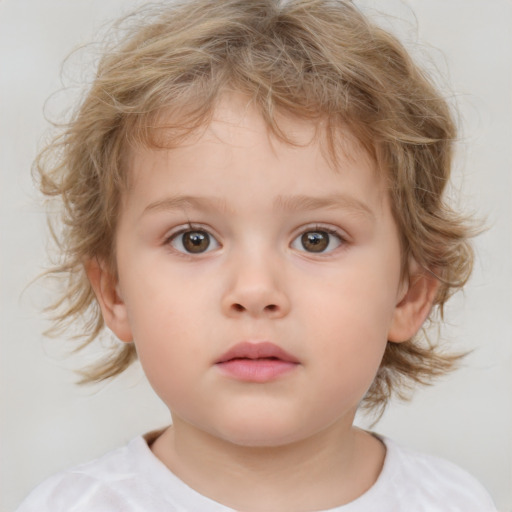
(237, 124)
(237, 173)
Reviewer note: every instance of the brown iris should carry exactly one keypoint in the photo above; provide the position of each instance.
(195, 241)
(315, 241)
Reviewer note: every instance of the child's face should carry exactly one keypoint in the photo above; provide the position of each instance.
(236, 238)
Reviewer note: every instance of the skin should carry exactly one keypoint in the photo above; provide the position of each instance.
(333, 310)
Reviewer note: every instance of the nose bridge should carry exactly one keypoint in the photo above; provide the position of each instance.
(256, 285)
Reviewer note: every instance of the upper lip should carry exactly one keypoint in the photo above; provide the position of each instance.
(258, 350)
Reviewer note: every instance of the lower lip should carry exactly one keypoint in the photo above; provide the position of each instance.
(256, 370)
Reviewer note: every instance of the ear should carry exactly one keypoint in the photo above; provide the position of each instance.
(113, 308)
(414, 304)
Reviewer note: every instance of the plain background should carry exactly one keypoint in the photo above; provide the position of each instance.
(48, 423)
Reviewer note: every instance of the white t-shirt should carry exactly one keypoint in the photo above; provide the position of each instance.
(132, 479)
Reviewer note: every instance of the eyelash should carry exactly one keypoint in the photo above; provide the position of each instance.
(317, 228)
(298, 239)
(190, 228)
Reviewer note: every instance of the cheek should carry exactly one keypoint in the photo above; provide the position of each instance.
(352, 356)
(350, 364)
(169, 368)
(169, 313)
(349, 324)
(160, 335)
(355, 307)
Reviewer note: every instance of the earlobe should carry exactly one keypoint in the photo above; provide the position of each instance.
(111, 303)
(414, 307)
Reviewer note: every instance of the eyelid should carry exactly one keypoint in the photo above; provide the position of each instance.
(331, 230)
(188, 226)
(169, 238)
(318, 226)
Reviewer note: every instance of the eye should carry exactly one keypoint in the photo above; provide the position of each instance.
(193, 241)
(317, 241)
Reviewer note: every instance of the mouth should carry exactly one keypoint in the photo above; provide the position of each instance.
(256, 362)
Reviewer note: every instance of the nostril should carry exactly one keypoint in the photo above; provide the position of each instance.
(270, 307)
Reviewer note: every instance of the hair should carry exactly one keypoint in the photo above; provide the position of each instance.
(320, 60)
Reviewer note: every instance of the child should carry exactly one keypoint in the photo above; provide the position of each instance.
(253, 204)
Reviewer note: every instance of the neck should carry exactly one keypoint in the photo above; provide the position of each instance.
(328, 469)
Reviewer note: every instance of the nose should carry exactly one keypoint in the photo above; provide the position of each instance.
(255, 289)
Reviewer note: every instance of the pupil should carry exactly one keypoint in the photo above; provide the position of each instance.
(196, 241)
(315, 241)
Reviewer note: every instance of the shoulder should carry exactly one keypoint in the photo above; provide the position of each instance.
(429, 483)
(129, 479)
(110, 480)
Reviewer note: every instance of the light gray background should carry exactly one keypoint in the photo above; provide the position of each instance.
(47, 423)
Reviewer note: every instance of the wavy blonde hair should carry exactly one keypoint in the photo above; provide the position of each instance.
(316, 59)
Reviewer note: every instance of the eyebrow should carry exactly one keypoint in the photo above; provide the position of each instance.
(182, 202)
(333, 201)
(287, 203)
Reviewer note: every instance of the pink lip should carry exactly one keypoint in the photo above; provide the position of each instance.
(256, 362)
